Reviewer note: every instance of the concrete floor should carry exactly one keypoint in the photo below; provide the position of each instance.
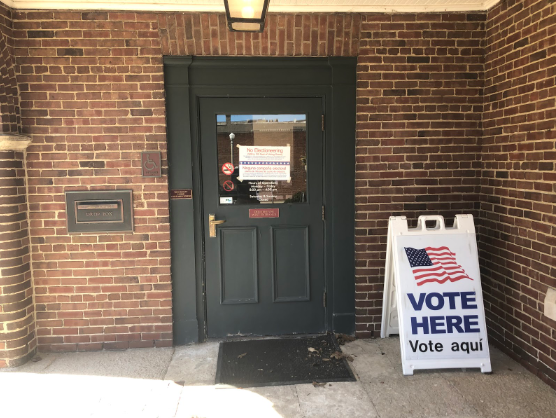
(178, 382)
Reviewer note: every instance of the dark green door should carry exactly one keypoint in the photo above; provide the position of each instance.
(262, 174)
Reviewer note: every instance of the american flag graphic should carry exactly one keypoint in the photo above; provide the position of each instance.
(434, 264)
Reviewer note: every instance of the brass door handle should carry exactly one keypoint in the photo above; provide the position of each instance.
(212, 225)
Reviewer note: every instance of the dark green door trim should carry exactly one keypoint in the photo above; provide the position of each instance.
(189, 78)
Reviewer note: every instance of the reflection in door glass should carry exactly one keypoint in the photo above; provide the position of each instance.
(262, 159)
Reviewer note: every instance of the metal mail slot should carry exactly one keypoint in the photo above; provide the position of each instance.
(97, 211)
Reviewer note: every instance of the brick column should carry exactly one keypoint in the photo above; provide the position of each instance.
(17, 319)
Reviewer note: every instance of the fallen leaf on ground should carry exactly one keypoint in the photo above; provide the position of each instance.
(319, 385)
(338, 355)
(311, 349)
(344, 338)
(242, 355)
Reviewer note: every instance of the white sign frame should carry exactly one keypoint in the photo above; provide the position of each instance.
(390, 323)
(399, 278)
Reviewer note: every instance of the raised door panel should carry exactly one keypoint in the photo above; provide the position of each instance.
(238, 265)
(290, 263)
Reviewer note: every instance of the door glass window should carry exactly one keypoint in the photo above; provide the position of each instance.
(262, 159)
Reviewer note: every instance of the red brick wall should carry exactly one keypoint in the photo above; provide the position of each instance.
(9, 103)
(17, 324)
(419, 105)
(518, 208)
(284, 35)
(92, 98)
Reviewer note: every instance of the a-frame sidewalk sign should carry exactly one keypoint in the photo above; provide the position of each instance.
(432, 295)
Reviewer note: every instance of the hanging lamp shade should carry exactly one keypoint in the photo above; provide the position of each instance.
(246, 15)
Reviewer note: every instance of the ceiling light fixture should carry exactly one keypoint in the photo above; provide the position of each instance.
(246, 15)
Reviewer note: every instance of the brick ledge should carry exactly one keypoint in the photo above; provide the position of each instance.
(14, 142)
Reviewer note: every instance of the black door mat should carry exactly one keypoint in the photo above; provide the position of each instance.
(282, 361)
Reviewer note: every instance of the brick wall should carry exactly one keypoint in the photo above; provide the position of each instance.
(17, 324)
(518, 208)
(419, 106)
(9, 103)
(284, 35)
(92, 98)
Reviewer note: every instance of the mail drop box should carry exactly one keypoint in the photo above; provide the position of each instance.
(99, 211)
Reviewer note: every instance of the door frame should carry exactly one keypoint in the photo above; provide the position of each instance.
(186, 80)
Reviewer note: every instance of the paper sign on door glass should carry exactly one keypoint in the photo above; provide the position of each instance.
(265, 157)
(264, 163)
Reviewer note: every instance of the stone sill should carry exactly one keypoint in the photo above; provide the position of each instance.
(14, 142)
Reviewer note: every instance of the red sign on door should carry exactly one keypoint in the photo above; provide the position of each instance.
(264, 213)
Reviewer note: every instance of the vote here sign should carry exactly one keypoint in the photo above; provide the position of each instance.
(441, 314)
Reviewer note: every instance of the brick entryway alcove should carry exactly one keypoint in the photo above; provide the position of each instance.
(17, 317)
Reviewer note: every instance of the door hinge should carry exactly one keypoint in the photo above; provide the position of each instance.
(322, 123)
(323, 212)
(324, 299)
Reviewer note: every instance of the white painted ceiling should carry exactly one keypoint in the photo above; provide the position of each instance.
(314, 6)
